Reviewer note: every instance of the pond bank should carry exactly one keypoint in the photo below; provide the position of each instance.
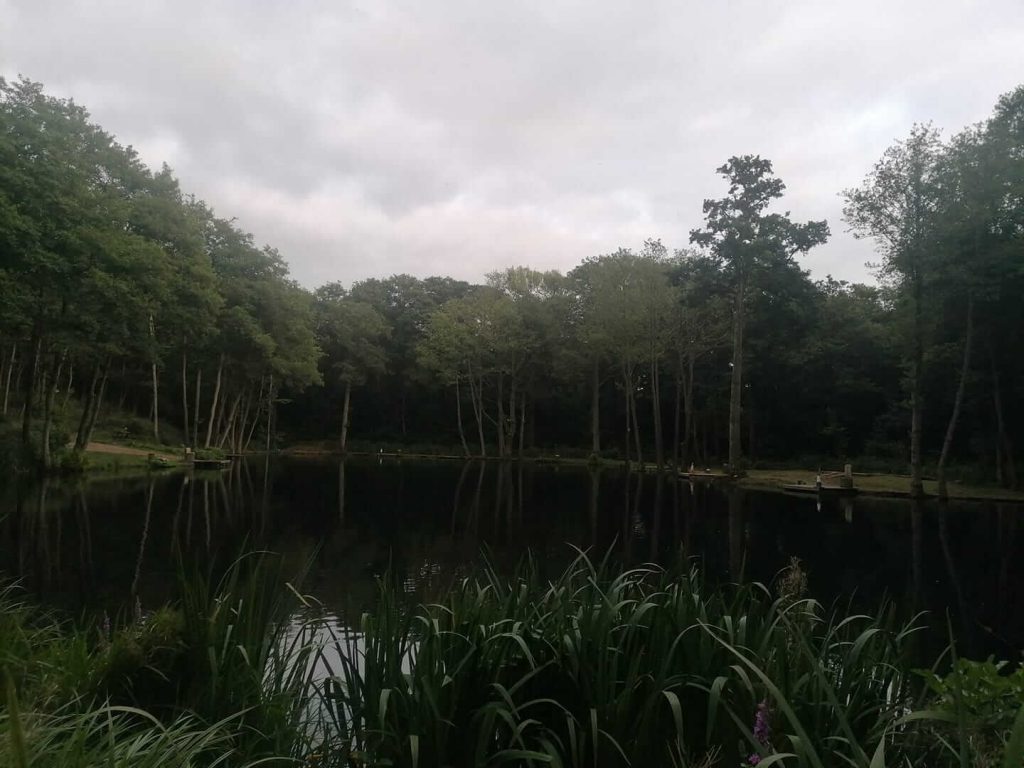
(866, 484)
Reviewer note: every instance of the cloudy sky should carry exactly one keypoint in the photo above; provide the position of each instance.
(369, 137)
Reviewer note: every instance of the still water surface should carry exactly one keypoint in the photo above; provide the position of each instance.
(102, 544)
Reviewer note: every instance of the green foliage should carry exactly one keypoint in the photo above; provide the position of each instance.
(596, 666)
(985, 698)
(607, 668)
(117, 284)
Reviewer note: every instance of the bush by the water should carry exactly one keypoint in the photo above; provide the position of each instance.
(598, 667)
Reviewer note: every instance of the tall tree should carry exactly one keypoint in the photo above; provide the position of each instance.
(352, 335)
(749, 241)
(896, 205)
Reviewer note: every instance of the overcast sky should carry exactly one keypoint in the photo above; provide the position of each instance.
(366, 138)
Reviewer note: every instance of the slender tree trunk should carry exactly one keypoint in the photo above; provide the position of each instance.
(26, 417)
(636, 421)
(916, 402)
(628, 435)
(343, 443)
(123, 397)
(1002, 438)
(236, 444)
(256, 417)
(458, 414)
(270, 412)
(476, 391)
(155, 378)
(751, 422)
(87, 406)
(195, 407)
(7, 378)
(501, 416)
(595, 410)
(230, 422)
(67, 387)
(97, 404)
(49, 397)
(513, 420)
(522, 424)
(659, 445)
(213, 405)
(958, 401)
(736, 382)
(676, 416)
(689, 418)
(184, 393)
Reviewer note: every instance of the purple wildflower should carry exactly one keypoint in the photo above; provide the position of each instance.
(762, 730)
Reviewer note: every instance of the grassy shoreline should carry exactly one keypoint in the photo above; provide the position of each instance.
(868, 484)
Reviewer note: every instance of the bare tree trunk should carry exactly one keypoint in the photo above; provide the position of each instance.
(256, 418)
(916, 402)
(636, 421)
(243, 422)
(10, 370)
(97, 403)
(26, 416)
(628, 435)
(270, 412)
(230, 423)
(213, 405)
(659, 445)
(50, 395)
(676, 417)
(1002, 438)
(501, 416)
(522, 424)
(736, 383)
(476, 391)
(343, 443)
(458, 413)
(87, 406)
(67, 387)
(958, 401)
(184, 393)
(751, 422)
(595, 411)
(156, 392)
(195, 406)
(689, 418)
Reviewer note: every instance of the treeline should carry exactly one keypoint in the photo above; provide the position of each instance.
(116, 286)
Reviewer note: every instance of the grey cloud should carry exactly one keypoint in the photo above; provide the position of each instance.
(374, 136)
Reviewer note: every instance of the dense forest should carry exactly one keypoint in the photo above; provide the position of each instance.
(121, 293)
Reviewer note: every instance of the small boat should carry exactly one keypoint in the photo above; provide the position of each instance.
(825, 490)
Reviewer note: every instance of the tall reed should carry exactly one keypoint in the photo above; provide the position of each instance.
(606, 668)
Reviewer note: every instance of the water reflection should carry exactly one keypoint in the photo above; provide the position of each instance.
(102, 544)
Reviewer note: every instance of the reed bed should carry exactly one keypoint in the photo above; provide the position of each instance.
(597, 667)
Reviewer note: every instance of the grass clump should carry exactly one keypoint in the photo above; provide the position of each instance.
(216, 678)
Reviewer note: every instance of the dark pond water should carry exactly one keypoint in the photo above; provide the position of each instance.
(99, 545)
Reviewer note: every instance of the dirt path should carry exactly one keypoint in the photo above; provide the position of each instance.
(124, 450)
